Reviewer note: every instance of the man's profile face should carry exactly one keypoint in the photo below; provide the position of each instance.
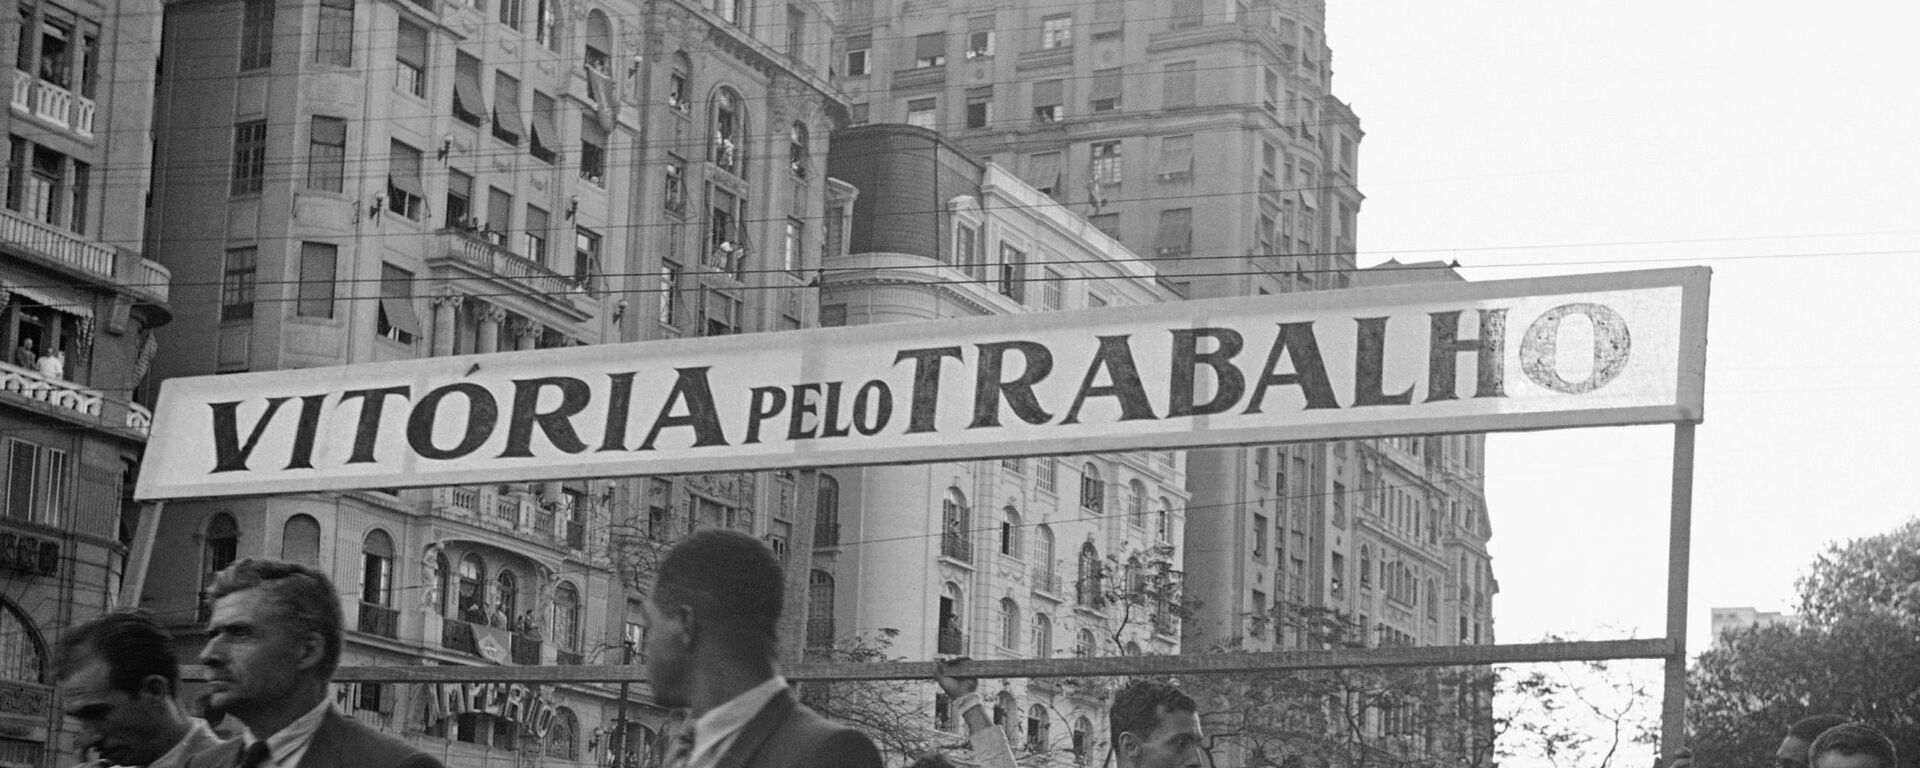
(121, 728)
(1175, 742)
(666, 653)
(254, 655)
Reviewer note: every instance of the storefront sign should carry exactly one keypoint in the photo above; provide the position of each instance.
(514, 702)
(1625, 348)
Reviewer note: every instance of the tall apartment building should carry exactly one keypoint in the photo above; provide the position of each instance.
(344, 182)
(79, 305)
(1014, 558)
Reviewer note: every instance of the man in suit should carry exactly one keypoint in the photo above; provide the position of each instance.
(1155, 725)
(272, 646)
(711, 645)
(117, 677)
(1800, 735)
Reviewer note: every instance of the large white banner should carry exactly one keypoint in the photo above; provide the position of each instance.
(1623, 348)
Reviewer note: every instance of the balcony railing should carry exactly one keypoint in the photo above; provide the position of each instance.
(568, 658)
(526, 650)
(820, 632)
(52, 103)
(956, 546)
(379, 620)
(500, 261)
(826, 534)
(576, 534)
(457, 635)
(1046, 580)
(54, 392)
(57, 244)
(951, 641)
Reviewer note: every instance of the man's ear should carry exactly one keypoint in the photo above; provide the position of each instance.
(313, 646)
(1129, 744)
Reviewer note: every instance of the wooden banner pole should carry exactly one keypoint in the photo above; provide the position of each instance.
(1673, 705)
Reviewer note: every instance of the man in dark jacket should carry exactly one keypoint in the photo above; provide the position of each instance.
(710, 648)
(273, 644)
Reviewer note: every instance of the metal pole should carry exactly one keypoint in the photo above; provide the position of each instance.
(620, 718)
(145, 530)
(1673, 705)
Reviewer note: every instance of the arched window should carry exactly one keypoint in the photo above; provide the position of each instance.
(729, 135)
(1042, 636)
(21, 651)
(376, 568)
(820, 632)
(680, 83)
(1137, 504)
(826, 512)
(1163, 520)
(1092, 491)
(1005, 715)
(1043, 552)
(473, 574)
(599, 52)
(219, 549)
(562, 737)
(1366, 566)
(1136, 579)
(1010, 531)
(1009, 624)
(566, 616)
(1082, 738)
(955, 527)
(1037, 723)
(1433, 599)
(1132, 648)
(1083, 643)
(300, 540)
(442, 579)
(1088, 582)
(506, 599)
(951, 637)
(797, 149)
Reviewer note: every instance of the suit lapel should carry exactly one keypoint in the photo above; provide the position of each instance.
(748, 741)
(321, 750)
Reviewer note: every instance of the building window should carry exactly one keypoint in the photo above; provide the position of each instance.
(410, 58)
(674, 198)
(405, 193)
(1366, 566)
(1013, 272)
(1259, 537)
(1092, 491)
(593, 153)
(586, 257)
(300, 540)
(469, 105)
(546, 134)
(798, 152)
(566, 616)
(510, 12)
(1056, 31)
(499, 226)
(1105, 96)
(1175, 236)
(256, 34)
(1044, 173)
(534, 236)
(376, 569)
(1043, 555)
(237, 283)
(956, 534)
(726, 245)
(968, 252)
(859, 48)
(249, 156)
(1010, 532)
(792, 250)
(671, 298)
(1089, 578)
(39, 482)
(1052, 286)
(544, 24)
(1177, 85)
(333, 40)
(923, 113)
(980, 42)
(1049, 104)
(1009, 624)
(1137, 504)
(826, 512)
(396, 320)
(459, 200)
(1187, 13)
(820, 630)
(326, 154)
(219, 548)
(1044, 472)
(729, 135)
(318, 265)
(1106, 163)
(930, 50)
(1042, 636)
(723, 312)
(506, 109)
(980, 107)
(473, 573)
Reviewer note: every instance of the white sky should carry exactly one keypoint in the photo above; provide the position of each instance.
(1778, 143)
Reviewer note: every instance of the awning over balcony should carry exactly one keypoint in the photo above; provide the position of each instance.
(49, 297)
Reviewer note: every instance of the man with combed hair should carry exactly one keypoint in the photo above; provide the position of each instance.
(1155, 725)
(273, 643)
(117, 678)
(1793, 749)
(1852, 745)
(711, 643)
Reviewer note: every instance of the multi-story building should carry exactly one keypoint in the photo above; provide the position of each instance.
(1022, 557)
(79, 306)
(1735, 619)
(344, 183)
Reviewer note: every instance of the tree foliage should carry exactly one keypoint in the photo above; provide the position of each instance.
(1857, 654)
(1584, 713)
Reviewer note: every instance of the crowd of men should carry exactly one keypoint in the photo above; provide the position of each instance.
(276, 631)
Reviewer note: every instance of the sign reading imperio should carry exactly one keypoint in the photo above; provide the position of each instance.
(1624, 348)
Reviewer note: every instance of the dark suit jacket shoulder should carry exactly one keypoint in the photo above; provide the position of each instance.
(341, 742)
(788, 735)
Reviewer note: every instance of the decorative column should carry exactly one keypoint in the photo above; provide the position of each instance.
(445, 307)
(527, 335)
(490, 319)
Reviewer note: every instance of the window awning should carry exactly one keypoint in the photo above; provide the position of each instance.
(544, 132)
(400, 314)
(466, 88)
(50, 299)
(506, 116)
(930, 46)
(1176, 231)
(1106, 85)
(412, 46)
(1176, 157)
(404, 171)
(1048, 92)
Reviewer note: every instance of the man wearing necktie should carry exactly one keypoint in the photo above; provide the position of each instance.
(711, 643)
(272, 646)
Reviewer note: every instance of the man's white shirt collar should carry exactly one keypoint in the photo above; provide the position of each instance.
(715, 730)
(289, 744)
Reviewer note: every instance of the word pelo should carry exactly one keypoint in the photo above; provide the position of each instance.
(1170, 374)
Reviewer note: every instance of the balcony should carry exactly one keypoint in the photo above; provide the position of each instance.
(526, 650)
(826, 535)
(476, 254)
(951, 641)
(567, 658)
(955, 545)
(820, 632)
(576, 535)
(61, 246)
(1046, 580)
(379, 620)
(52, 103)
(457, 635)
